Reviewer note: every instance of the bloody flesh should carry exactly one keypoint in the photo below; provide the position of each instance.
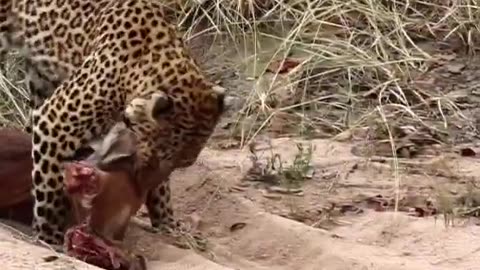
(82, 244)
(80, 241)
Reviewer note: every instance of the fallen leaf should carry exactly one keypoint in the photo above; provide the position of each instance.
(237, 226)
(50, 258)
(283, 190)
(283, 66)
(422, 211)
(467, 152)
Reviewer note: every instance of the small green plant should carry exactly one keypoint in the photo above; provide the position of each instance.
(301, 168)
(274, 171)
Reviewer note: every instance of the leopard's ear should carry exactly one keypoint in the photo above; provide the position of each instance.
(149, 108)
(160, 103)
(219, 94)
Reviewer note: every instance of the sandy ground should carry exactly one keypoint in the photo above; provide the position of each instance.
(329, 225)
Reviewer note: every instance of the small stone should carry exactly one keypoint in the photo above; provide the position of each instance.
(455, 68)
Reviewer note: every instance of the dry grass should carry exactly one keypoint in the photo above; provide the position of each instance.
(13, 96)
(357, 60)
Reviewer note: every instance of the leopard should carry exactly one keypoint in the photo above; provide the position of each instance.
(92, 63)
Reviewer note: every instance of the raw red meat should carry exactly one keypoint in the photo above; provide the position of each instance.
(82, 244)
